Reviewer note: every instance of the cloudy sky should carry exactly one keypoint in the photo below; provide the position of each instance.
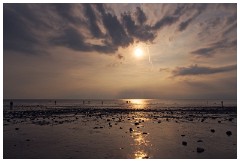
(175, 51)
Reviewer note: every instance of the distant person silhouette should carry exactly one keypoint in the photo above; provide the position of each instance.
(222, 103)
(11, 104)
(55, 102)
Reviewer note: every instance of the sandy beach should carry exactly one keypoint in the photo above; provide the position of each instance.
(91, 133)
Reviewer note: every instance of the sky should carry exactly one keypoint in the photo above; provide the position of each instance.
(106, 51)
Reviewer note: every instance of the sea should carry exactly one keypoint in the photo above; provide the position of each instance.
(116, 103)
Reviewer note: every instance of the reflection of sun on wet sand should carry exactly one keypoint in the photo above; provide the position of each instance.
(120, 133)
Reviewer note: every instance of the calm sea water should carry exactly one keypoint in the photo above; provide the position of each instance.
(117, 103)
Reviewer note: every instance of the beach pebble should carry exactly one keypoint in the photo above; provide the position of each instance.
(130, 129)
(229, 133)
(27, 139)
(212, 130)
(120, 128)
(230, 119)
(159, 121)
(183, 135)
(144, 133)
(199, 141)
(136, 123)
(184, 143)
(219, 121)
(16, 128)
(200, 150)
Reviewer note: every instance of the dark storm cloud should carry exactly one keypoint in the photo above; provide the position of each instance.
(92, 21)
(171, 19)
(141, 17)
(72, 39)
(212, 48)
(115, 30)
(201, 70)
(166, 21)
(17, 29)
(199, 9)
(140, 32)
(65, 11)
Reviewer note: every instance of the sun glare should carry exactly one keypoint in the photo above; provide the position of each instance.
(138, 52)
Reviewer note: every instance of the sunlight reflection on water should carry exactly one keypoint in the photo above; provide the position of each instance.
(137, 103)
(141, 144)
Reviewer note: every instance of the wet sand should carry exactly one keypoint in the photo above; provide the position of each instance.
(91, 133)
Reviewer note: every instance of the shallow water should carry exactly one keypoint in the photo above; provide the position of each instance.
(120, 133)
(117, 103)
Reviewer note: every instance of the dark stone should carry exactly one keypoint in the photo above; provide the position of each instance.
(219, 121)
(130, 129)
(229, 133)
(200, 150)
(159, 121)
(212, 130)
(144, 133)
(199, 141)
(27, 139)
(184, 143)
(136, 123)
(16, 128)
(183, 135)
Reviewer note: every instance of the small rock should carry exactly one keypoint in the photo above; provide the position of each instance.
(130, 129)
(120, 128)
(199, 141)
(212, 130)
(200, 150)
(183, 135)
(16, 128)
(144, 133)
(229, 133)
(219, 121)
(27, 139)
(184, 143)
(136, 123)
(159, 121)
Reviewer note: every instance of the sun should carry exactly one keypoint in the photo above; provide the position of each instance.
(138, 52)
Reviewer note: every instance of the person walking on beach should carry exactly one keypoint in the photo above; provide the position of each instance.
(11, 105)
